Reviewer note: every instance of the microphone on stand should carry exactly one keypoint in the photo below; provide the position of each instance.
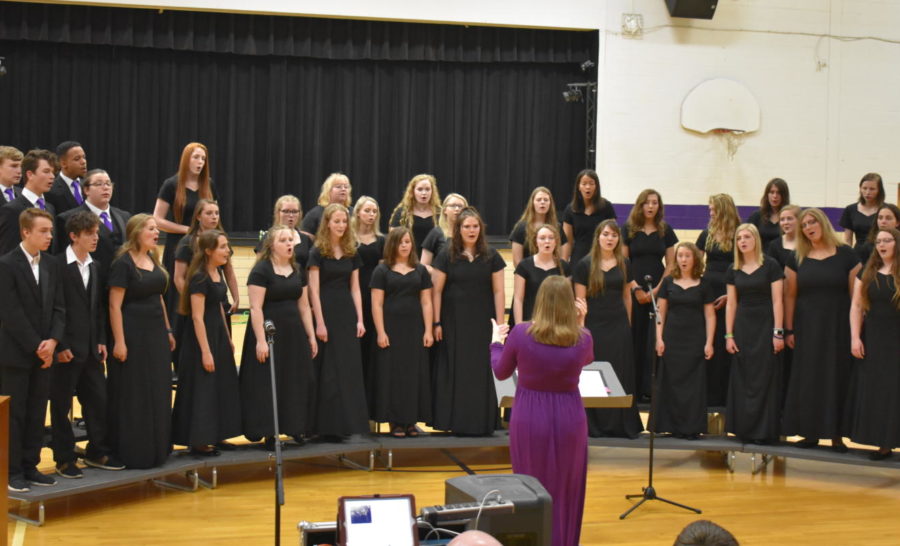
(269, 327)
(648, 280)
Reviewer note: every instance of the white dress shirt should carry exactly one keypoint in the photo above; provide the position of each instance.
(34, 262)
(83, 267)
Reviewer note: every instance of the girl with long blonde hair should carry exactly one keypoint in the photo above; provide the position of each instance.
(420, 208)
(335, 190)
(540, 210)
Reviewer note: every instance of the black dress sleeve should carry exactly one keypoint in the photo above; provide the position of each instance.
(379, 277)
(442, 261)
(120, 272)
(849, 256)
(628, 273)
(315, 258)
(664, 288)
(701, 240)
(846, 220)
(424, 277)
(792, 262)
(497, 262)
(521, 270)
(167, 191)
(774, 271)
(357, 261)
(754, 218)
(566, 268)
(582, 271)
(259, 275)
(310, 223)
(670, 238)
(517, 235)
(395, 218)
(709, 293)
(568, 215)
(184, 252)
(607, 211)
(200, 284)
(729, 275)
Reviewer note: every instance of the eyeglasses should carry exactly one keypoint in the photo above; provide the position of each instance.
(455, 206)
(883, 241)
(341, 187)
(291, 211)
(101, 185)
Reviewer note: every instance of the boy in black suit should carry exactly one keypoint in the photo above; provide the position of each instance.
(82, 351)
(39, 167)
(32, 321)
(10, 173)
(66, 191)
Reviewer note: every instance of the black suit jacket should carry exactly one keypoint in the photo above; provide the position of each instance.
(109, 241)
(17, 191)
(9, 222)
(61, 196)
(85, 311)
(29, 312)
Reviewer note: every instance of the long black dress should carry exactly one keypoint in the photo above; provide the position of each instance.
(140, 403)
(583, 226)
(820, 372)
(370, 254)
(342, 395)
(402, 370)
(607, 320)
(167, 194)
(294, 372)
(876, 415)
(518, 234)
(768, 230)
(301, 249)
(681, 408)
(718, 262)
(646, 253)
(465, 401)
(420, 229)
(860, 224)
(534, 276)
(207, 404)
(753, 411)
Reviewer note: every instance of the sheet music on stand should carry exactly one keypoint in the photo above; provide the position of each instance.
(599, 387)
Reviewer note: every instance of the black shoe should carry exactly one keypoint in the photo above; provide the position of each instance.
(839, 448)
(879, 455)
(692, 437)
(69, 470)
(807, 443)
(36, 478)
(269, 443)
(225, 446)
(106, 462)
(209, 452)
(17, 484)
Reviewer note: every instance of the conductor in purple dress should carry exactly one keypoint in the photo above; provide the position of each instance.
(548, 429)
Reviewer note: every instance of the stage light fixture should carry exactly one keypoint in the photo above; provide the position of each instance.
(2, 68)
(573, 94)
(587, 65)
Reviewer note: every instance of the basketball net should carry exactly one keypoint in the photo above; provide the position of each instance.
(732, 140)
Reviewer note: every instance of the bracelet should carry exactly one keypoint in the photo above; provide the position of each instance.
(436, 324)
(729, 336)
(171, 331)
(788, 332)
(776, 336)
(778, 331)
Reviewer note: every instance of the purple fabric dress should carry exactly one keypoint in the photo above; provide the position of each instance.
(548, 429)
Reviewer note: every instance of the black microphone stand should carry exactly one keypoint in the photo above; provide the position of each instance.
(649, 493)
(269, 327)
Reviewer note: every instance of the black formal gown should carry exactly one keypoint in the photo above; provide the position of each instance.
(534, 276)
(768, 230)
(781, 255)
(207, 404)
(718, 367)
(465, 401)
(860, 224)
(647, 254)
(420, 229)
(681, 408)
(167, 194)
(607, 320)
(342, 396)
(140, 389)
(370, 254)
(519, 234)
(753, 411)
(820, 373)
(583, 226)
(295, 377)
(777, 251)
(876, 413)
(402, 370)
(301, 249)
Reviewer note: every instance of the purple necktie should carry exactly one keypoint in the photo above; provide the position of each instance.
(40, 203)
(76, 189)
(9, 194)
(106, 221)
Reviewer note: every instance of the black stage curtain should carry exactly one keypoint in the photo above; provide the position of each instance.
(282, 102)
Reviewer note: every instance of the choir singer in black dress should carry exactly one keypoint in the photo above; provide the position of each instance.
(775, 197)
(401, 310)
(532, 271)
(875, 340)
(439, 236)
(335, 189)
(139, 385)
(819, 279)
(540, 210)
(582, 215)
(289, 213)
(420, 208)
(754, 336)
(277, 290)
(207, 407)
(370, 248)
(468, 292)
(858, 217)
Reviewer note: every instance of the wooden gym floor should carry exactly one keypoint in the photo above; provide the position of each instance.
(791, 502)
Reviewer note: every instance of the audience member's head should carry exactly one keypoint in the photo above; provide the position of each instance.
(474, 538)
(705, 533)
(72, 159)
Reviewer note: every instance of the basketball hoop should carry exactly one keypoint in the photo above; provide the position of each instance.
(732, 139)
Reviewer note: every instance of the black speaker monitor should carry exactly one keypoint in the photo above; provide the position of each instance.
(692, 9)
